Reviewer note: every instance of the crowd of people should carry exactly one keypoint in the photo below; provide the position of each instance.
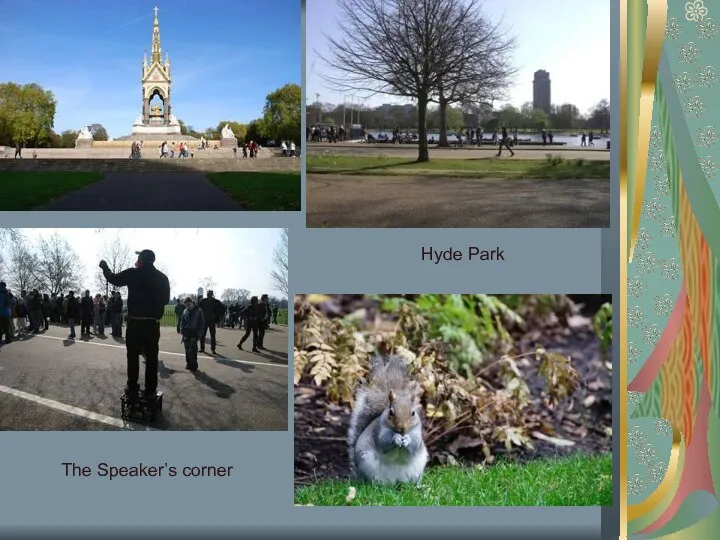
(195, 319)
(184, 150)
(32, 313)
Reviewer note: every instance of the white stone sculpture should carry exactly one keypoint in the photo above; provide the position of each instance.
(85, 133)
(227, 133)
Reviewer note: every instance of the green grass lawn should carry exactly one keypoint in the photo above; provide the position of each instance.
(169, 318)
(264, 191)
(579, 480)
(28, 190)
(475, 168)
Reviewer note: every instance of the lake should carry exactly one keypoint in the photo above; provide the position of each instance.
(569, 141)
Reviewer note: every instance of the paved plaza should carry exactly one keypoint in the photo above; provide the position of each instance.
(50, 383)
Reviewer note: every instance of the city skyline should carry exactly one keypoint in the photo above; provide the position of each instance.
(578, 77)
(90, 56)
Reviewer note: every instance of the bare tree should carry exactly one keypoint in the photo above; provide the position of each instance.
(483, 70)
(398, 47)
(171, 280)
(9, 236)
(58, 267)
(119, 257)
(21, 267)
(235, 296)
(279, 275)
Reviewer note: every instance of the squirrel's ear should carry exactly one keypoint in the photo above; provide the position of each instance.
(391, 396)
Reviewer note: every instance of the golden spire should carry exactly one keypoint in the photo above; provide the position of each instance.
(156, 50)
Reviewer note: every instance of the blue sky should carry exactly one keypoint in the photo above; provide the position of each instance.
(568, 38)
(225, 56)
(233, 258)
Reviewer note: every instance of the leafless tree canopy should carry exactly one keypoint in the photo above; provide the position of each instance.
(484, 69)
(119, 257)
(21, 263)
(58, 267)
(235, 296)
(420, 49)
(279, 275)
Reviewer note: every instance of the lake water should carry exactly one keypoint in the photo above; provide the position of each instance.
(569, 141)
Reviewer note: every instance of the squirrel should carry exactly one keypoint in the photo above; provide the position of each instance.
(386, 436)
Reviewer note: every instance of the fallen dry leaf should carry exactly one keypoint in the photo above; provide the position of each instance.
(554, 440)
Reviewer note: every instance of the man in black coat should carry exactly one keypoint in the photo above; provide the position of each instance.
(148, 294)
(213, 311)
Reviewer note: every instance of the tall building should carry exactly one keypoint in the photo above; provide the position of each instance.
(541, 91)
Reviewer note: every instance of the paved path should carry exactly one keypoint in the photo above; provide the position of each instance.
(50, 383)
(422, 201)
(410, 151)
(147, 191)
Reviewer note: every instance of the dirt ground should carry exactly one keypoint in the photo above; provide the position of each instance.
(321, 427)
(433, 201)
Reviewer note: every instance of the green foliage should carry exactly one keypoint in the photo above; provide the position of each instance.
(554, 160)
(602, 323)
(282, 113)
(100, 135)
(27, 114)
(255, 131)
(470, 325)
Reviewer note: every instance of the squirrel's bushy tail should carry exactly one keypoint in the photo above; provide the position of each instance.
(386, 373)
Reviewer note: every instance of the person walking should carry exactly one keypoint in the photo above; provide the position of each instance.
(251, 314)
(265, 317)
(148, 294)
(505, 141)
(191, 325)
(213, 310)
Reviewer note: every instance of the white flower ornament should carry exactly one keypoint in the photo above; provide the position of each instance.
(695, 11)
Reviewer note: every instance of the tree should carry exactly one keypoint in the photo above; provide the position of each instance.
(100, 134)
(398, 47)
(240, 130)
(27, 113)
(58, 268)
(21, 266)
(479, 68)
(255, 131)
(119, 257)
(183, 127)
(282, 114)
(235, 296)
(279, 275)
(600, 116)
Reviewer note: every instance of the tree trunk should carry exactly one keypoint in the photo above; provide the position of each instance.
(443, 121)
(423, 154)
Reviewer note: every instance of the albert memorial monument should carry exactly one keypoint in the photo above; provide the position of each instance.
(157, 121)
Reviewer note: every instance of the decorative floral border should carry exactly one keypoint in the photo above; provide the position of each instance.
(670, 269)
